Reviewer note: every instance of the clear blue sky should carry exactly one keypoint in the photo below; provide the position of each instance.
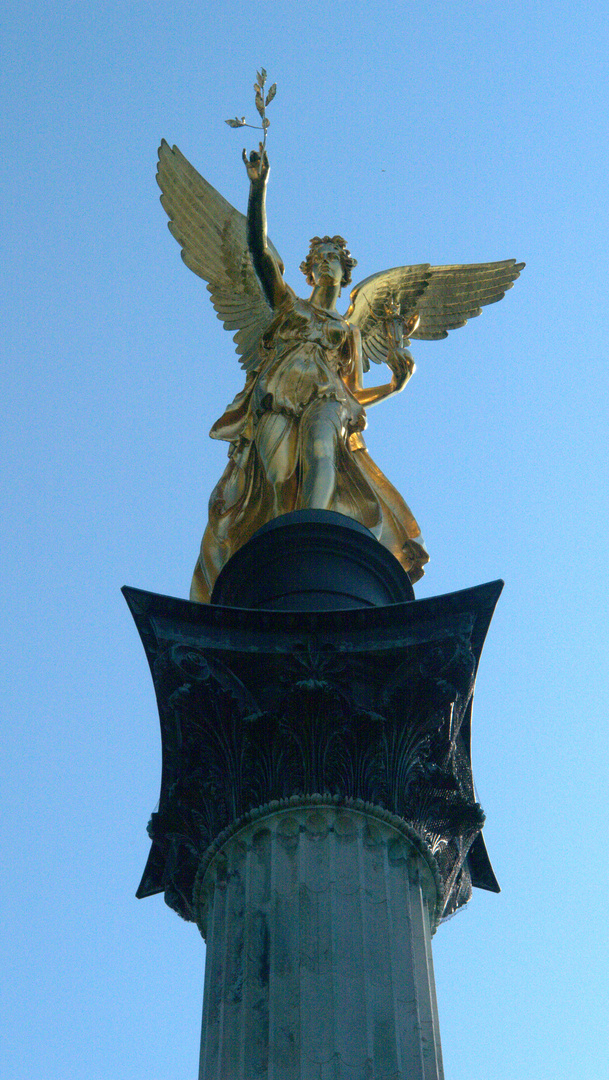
(427, 132)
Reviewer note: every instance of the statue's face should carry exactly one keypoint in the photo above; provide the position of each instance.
(327, 266)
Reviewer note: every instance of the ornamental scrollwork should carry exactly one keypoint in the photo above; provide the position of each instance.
(227, 752)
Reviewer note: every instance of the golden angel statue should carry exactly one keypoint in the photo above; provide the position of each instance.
(295, 430)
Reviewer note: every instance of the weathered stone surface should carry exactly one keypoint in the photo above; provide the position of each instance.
(370, 707)
(318, 923)
(317, 815)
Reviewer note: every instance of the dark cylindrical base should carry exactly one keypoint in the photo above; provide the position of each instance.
(312, 560)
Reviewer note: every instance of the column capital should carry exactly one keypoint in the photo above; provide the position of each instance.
(370, 707)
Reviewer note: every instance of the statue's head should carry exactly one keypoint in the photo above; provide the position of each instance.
(323, 245)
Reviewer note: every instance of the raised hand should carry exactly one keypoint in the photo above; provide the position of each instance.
(257, 165)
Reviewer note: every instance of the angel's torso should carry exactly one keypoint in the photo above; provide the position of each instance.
(306, 353)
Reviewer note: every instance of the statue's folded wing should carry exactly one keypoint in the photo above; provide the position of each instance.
(213, 238)
(444, 298)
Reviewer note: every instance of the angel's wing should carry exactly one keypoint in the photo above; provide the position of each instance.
(213, 238)
(444, 297)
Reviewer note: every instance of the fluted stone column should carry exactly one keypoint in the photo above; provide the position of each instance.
(317, 814)
(318, 925)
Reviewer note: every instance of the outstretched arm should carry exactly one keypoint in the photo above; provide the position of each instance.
(269, 273)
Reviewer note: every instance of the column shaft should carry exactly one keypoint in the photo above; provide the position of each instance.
(317, 922)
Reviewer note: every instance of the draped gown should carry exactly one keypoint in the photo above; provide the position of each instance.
(302, 385)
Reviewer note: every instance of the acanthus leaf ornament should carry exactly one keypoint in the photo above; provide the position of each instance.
(247, 725)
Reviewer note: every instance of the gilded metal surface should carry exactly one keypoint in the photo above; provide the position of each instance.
(295, 428)
(262, 100)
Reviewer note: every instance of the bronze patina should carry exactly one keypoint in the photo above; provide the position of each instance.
(295, 430)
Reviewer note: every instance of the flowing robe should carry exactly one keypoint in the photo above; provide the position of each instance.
(302, 385)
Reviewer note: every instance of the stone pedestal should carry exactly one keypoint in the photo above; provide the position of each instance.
(312, 560)
(317, 815)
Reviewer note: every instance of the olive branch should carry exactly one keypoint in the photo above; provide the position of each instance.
(261, 105)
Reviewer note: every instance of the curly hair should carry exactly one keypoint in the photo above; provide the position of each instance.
(346, 261)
